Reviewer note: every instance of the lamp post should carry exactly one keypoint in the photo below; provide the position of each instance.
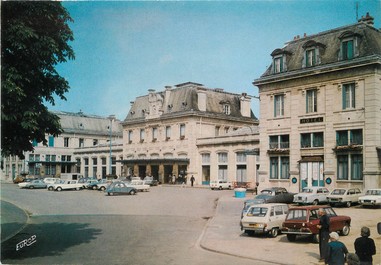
(111, 118)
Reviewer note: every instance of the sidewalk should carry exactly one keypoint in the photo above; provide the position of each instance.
(223, 235)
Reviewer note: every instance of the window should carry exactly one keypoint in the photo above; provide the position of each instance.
(222, 157)
(130, 136)
(241, 157)
(310, 57)
(351, 137)
(308, 140)
(168, 132)
(279, 141)
(142, 135)
(34, 143)
(154, 134)
(280, 167)
(278, 105)
(227, 109)
(342, 167)
(51, 141)
(66, 142)
(217, 131)
(226, 130)
(95, 161)
(81, 142)
(205, 158)
(349, 96)
(95, 142)
(311, 100)
(350, 165)
(278, 64)
(356, 167)
(347, 49)
(223, 172)
(182, 131)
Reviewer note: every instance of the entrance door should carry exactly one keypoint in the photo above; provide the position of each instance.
(311, 174)
(142, 171)
(155, 172)
(168, 169)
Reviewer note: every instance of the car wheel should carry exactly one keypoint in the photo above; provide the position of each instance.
(230, 187)
(78, 188)
(212, 188)
(132, 192)
(110, 193)
(50, 188)
(291, 237)
(249, 232)
(348, 204)
(102, 188)
(220, 188)
(59, 188)
(315, 202)
(274, 232)
(31, 187)
(345, 231)
(315, 238)
(95, 187)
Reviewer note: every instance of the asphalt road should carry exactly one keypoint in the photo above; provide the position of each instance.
(163, 226)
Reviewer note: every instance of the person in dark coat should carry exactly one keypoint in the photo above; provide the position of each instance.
(192, 180)
(323, 233)
(365, 247)
(336, 251)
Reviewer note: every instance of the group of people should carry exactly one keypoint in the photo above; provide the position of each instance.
(334, 252)
(180, 179)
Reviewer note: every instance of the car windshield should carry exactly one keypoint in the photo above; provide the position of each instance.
(262, 197)
(373, 192)
(338, 192)
(257, 211)
(297, 214)
(307, 190)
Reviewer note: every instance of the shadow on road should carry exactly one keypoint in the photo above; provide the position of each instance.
(46, 239)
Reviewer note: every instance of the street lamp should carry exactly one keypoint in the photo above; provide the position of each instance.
(111, 118)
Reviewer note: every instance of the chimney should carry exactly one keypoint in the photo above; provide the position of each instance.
(245, 105)
(368, 19)
(201, 99)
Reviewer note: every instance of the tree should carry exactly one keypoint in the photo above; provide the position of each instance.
(34, 40)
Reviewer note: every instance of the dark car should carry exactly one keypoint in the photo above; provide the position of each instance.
(119, 187)
(278, 195)
(303, 220)
(259, 199)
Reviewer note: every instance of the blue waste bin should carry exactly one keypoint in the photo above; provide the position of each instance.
(240, 192)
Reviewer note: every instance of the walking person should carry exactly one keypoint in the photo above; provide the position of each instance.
(365, 247)
(323, 233)
(192, 180)
(336, 251)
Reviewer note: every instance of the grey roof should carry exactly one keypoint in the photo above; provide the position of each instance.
(87, 124)
(184, 98)
(329, 42)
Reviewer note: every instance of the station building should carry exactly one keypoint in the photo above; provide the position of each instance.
(184, 131)
(320, 109)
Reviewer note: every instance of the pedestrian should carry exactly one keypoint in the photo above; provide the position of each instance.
(173, 179)
(353, 259)
(323, 233)
(336, 251)
(192, 180)
(365, 247)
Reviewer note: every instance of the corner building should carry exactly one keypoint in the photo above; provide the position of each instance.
(163, 130)
(321, 110)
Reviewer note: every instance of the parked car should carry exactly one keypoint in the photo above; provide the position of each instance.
(65, 185)
(89, 183)
(220, 184)
(372, 198)
(258, 199)
(303, 220)
(345, 197)
(150, 181)
(312, 195)
(34, 184)
(101, 184)
(50, 180)
(23, 183)
(138, 185)
(278, 195)
(264, 218)
(19, 179)
(118, 187)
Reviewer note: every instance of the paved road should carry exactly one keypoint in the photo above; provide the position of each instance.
(168, 225)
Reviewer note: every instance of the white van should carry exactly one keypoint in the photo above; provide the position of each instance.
(50, 180)
(264, 218)
(220, 184)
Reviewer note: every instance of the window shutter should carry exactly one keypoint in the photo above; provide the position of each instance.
(350, 49)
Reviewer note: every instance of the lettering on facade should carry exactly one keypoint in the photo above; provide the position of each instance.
(26, 242)
(311, 120)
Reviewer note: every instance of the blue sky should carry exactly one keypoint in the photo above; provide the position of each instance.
(124, 48)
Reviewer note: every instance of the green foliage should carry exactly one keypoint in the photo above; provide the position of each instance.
(34, 40)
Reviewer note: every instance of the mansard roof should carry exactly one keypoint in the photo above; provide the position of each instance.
(183, 98)
(81, 123)
(329, 42)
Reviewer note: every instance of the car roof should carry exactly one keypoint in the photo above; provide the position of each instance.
(310, 207)
(268, 204)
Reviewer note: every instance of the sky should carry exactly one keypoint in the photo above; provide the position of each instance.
(125, 48)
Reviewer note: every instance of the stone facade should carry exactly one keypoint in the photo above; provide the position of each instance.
(320, 110)
(162, 131)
